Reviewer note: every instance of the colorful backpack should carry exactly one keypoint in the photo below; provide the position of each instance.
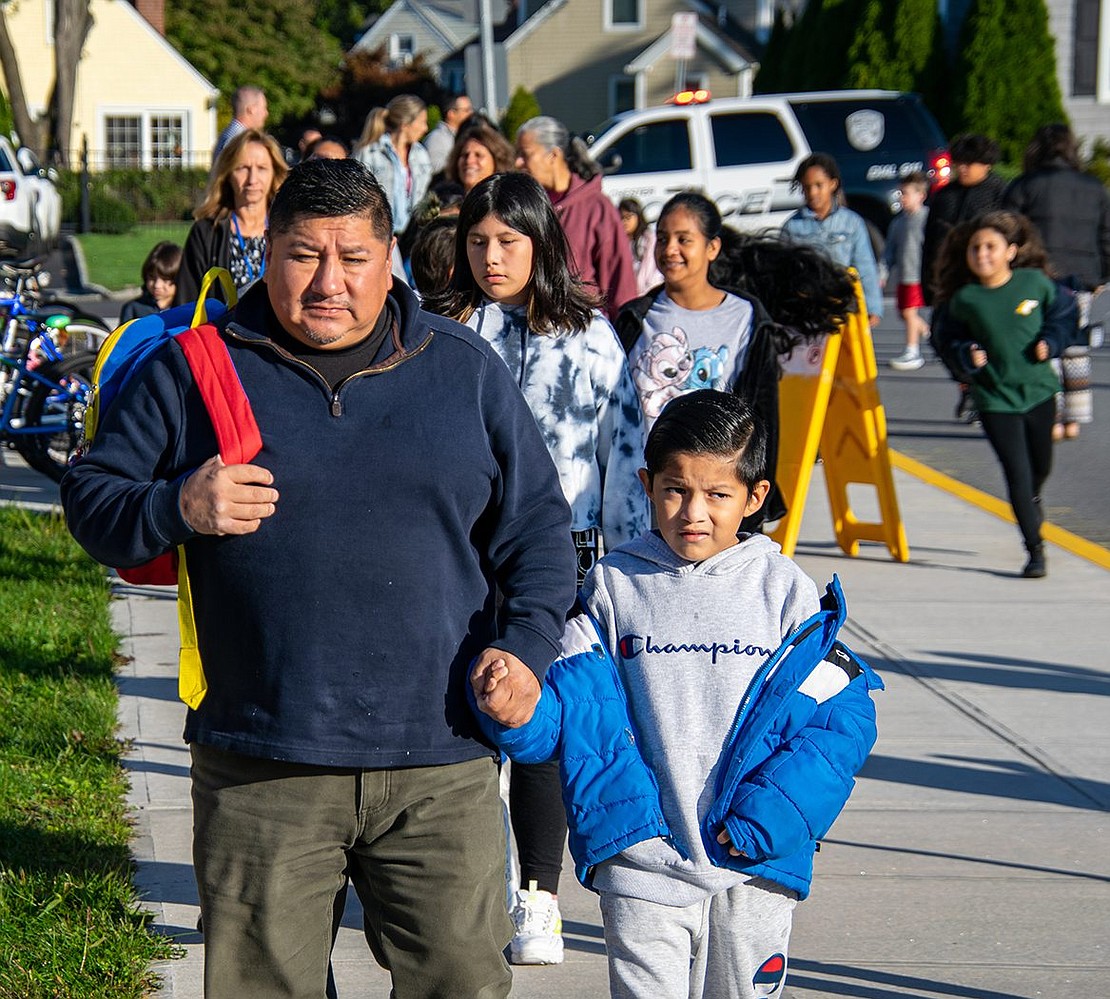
(124, 354)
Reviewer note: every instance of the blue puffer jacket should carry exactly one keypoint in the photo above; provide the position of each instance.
(803, 730)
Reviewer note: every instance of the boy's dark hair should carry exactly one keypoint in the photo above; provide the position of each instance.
(558, 302)
(974, 148)
(916, 178)
(331, 189)
(163, 261)
(822, 161)
(708, 422)
(433, 255)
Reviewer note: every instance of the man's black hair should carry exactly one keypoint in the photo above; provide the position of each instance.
(708, 422)
(974, 148)
(331, 189)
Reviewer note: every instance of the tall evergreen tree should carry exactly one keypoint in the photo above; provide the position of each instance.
(894, 45)
(815, 51)
(771, 67)
(1005, 74)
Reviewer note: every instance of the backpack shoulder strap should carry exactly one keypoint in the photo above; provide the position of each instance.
(227, 404)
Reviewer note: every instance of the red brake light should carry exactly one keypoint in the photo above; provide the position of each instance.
(941, 169)
(8, 188)
(700, 96)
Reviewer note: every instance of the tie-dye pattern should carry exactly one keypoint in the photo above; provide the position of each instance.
(580, 391)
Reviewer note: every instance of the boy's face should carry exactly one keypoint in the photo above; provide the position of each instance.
(913, 197)
(161, 289)
(699, 503)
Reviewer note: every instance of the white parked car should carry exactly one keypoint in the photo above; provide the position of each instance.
(30, 205)
(743, 152)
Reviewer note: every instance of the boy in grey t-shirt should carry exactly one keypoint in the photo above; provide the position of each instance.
(902, 255)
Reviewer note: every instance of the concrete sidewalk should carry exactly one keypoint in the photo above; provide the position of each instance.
(971, 860)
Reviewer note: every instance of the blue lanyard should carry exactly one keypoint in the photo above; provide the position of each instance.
(246, 256)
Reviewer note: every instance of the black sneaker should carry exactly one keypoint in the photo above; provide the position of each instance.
(965, 409)
(1035, 568)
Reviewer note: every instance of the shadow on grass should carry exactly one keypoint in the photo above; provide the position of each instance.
(25, 847)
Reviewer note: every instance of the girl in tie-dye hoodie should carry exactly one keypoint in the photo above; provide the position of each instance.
(512, 283)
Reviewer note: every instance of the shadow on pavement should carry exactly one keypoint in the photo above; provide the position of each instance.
(862, 983)
(988, 778)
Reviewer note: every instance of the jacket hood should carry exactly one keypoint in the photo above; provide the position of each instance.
(651, 548)
(579, 188)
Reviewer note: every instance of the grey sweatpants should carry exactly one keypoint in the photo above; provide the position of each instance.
(728, 946)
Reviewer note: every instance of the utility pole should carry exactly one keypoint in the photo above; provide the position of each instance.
(485, 38)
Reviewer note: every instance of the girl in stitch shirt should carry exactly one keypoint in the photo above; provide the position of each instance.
(1001, 327)
(512, 283)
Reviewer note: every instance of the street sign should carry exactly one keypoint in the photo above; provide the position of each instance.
(684, 35)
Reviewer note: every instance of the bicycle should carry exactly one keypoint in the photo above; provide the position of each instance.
(45, 371)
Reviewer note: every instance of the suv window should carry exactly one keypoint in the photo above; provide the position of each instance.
(654, 148)
(750, 137)
(875, 127)
(5, 163)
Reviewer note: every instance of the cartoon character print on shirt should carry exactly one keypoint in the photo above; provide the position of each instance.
(708, 371)
(661, 371)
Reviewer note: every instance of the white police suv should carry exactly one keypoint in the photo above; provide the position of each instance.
(743, 152)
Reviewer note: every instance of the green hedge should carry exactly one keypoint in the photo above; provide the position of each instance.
(120, 198)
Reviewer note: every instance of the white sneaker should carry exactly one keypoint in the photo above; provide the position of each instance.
(538, 934)
(908, 360)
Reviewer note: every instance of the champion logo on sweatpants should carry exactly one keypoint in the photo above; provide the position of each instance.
(770, 976)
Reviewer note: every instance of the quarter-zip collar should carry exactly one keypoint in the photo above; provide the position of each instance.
(254, 313)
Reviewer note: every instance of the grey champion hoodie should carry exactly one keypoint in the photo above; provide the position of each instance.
(687, 638)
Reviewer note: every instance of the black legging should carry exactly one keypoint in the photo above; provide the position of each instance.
(1023, 443)
(539, 823)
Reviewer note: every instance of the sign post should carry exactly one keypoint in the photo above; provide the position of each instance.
(829, 405)
(684, 44)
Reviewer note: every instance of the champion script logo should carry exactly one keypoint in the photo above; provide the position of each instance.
(632, 645)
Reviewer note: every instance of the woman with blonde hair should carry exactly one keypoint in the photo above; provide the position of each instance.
(390, 149)
(230, 226)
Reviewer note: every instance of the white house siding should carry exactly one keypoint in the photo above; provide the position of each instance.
(1090, 116)
(569, 60)
(127, 70)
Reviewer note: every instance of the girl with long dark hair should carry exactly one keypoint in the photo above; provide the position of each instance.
(513, 284)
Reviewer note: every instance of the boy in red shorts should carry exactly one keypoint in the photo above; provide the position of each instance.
(902, 257)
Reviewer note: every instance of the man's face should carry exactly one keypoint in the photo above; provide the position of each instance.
(461, 111)
(327, 279)
(256, 113)
(970, 174)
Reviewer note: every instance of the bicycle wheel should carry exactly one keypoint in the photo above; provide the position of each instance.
(58, 408)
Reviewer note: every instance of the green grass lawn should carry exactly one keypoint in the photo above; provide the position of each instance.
(116, 262)
(70, 926)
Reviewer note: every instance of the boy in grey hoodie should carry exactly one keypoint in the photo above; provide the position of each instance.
(691, 615)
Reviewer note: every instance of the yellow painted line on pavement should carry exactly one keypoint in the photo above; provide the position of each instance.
(1000, 508)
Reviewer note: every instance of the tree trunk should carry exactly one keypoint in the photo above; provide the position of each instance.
(72, 21)
(32, 131)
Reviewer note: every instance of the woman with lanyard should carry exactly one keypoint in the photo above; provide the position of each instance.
(390, 149)
(230, 226)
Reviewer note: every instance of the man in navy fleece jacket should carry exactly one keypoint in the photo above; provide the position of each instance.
(343, 583)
